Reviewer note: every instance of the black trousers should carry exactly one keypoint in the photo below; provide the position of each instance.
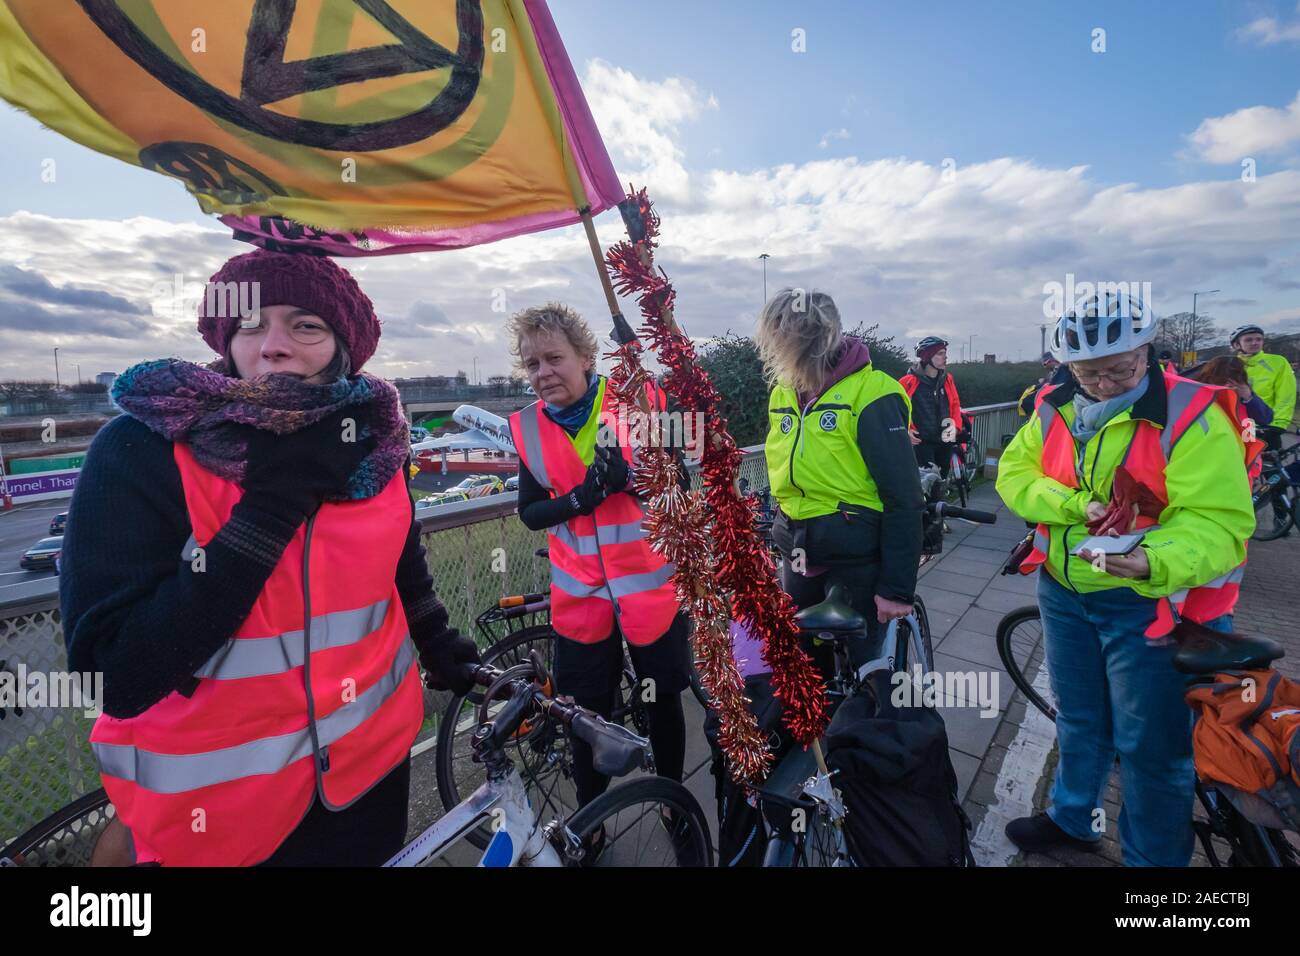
(367, 833)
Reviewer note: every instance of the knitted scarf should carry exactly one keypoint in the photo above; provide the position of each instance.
(201, 406)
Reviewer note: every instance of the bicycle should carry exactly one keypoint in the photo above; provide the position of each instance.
(500, 803)
(803, 812)
(1250, 843)
(513, 628)
(962, 467)
(678, 833)
(1275, 496)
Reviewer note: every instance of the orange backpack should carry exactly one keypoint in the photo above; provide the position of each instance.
(1247, 736)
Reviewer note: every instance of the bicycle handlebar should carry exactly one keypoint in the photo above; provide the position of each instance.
(970, 514)
(616, 751)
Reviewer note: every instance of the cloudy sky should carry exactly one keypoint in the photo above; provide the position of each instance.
(932, 170)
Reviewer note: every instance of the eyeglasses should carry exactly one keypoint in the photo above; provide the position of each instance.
(1112, 375)
(304, 331)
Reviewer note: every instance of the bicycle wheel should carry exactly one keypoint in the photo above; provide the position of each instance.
(649, 821)
(65, 838)
(1023, 652)
(1252, 845)
(1273, 517)
(819, 846)
(907, 641)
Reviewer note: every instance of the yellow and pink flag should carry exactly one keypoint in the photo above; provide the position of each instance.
(347, 127)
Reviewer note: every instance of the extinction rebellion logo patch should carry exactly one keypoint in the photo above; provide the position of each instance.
(786, 424)
(828, 421)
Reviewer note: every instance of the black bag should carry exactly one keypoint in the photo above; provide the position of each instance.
(850, 535)
(742, 840)
(899, 787)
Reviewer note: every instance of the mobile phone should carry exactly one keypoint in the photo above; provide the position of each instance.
(1110, 544)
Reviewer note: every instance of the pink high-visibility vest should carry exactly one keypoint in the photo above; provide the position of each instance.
(316, 693)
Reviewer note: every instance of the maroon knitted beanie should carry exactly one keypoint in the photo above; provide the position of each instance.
(315, 283)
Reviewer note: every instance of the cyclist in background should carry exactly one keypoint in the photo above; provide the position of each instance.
(607, 583)
(1271, 376)
(936, 408)
(838, 462)
(1106, 618)
(1055, 374)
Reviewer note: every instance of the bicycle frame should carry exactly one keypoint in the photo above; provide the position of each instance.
(502, 803)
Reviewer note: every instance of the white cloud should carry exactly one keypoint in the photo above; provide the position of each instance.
(1267, 31)
(1247, 132)
(832, 135)
(895, 240)
(639, 120)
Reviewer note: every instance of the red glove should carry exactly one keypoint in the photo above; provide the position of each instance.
(1128, 499)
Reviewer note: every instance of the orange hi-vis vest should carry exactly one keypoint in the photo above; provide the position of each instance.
(602, 564)
(316, 693)
(1146, 457)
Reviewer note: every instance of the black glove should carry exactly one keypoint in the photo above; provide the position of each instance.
(444, 658)
(290, 475)
(963, 436)
(586, 496)
(617, 473)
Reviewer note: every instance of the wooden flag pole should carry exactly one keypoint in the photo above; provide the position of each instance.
(623, 333)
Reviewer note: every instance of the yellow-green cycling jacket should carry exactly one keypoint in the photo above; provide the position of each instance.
(1201, 534)
(1273, 380)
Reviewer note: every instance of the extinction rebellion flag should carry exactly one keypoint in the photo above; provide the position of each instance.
(346, 127)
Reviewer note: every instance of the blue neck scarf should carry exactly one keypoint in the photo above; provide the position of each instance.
(1091, 415)
(572, 419)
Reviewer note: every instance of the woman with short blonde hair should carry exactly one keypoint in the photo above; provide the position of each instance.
(607, 583)
(839, 461)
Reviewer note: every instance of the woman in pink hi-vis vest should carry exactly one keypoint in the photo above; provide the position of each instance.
(243, 565)
(607, 584)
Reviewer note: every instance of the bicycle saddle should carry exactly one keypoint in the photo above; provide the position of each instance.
(1202, 650)
(833, 614)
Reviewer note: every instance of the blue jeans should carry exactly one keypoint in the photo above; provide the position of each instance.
(1116, 691)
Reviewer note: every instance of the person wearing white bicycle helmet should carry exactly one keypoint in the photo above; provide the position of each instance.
(1270, 376)
(1120, 446)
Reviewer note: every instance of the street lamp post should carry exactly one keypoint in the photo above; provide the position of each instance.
(56, 366)
(1191, 338)
(764, 256)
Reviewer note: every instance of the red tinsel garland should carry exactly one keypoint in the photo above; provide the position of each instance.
(742, 568)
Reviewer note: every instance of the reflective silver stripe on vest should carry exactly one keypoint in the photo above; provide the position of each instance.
(179, 773)
(1235, 576)
(260, 656)
(620, 587)
(532, 435)
(1042, 542)
(588, 544)
(1180, 396)
(1046, 415)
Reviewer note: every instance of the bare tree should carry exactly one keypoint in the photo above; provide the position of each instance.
(1183, 332)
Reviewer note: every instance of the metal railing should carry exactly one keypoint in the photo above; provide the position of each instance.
(477, 551)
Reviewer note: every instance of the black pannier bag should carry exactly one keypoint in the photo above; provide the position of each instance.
(899, 786)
